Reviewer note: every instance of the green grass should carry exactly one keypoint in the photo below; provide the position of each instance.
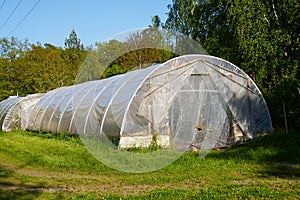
(49, 166)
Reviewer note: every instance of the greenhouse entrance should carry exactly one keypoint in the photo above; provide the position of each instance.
(194, 115)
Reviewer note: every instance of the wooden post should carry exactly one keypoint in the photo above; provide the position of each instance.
(149, 111)
(285, 118)
(166, 106)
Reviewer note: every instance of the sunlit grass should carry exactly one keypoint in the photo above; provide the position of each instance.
(49, 166)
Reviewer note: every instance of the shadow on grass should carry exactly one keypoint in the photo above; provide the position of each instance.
(19, 194)
(278, 153)
(282, 170)
(12, 188)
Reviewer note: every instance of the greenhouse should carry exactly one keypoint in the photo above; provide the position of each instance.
(192, 100)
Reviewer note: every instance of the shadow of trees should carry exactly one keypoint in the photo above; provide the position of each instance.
(13, 189)
(278, 153)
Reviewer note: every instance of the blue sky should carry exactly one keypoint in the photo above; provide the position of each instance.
(51, 21)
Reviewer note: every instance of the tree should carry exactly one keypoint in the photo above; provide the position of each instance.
(27, 68)
(267, 35)
(73, 42)
(74, 53)
(259, 36)
(5, 83)
(146, 47)
(11, 48)
(156, 22)
(11, 51)
(45, 69)
(139, 50)
(205, 21)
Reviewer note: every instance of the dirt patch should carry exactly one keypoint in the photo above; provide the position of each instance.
(71, 181)
(32, 189)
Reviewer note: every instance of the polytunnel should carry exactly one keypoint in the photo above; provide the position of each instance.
(197, 100)
(6, 105)
(18, 114)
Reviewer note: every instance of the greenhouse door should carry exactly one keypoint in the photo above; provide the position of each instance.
(212, 121)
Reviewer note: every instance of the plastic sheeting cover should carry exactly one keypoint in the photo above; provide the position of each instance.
(191, 97)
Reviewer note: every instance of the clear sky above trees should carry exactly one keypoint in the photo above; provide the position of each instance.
(94, 20)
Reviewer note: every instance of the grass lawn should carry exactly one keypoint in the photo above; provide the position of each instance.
(47, 166)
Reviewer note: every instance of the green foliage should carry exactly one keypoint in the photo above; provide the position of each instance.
(73, 42)
(12, 48)
(259, 36)
(156, 21)
(266, 31)
(154, 145)
(136, 52)
(27, 68)
(114, 70)
(205, 22)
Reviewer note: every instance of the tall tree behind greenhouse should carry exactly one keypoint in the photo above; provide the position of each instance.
(268, 36)
(207, 23)
(74, 53)
(260, 36)
(11, 51)
(28, 68)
